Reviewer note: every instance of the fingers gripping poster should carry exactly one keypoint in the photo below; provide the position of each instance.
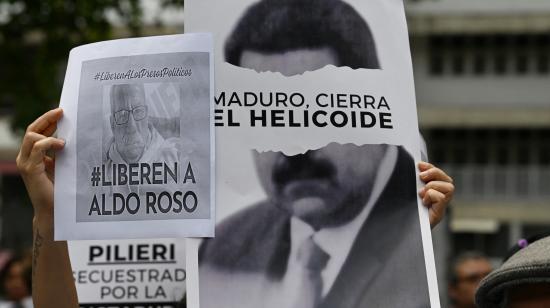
(138, 156)
(317, 143)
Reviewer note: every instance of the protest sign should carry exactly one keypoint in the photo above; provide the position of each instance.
(129, 273)
(317, 143)
(138, 159)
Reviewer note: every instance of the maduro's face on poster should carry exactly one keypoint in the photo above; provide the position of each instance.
(324, 187)
(129, 120)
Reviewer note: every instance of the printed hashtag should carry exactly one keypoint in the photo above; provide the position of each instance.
(96, 176)
(97, 76)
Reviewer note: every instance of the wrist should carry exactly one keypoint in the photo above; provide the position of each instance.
(44, 223)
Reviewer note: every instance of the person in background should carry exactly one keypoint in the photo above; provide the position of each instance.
(523, 280)
(15, 280)
(466, 271)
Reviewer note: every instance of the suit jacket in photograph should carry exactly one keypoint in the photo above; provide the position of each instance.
(242, 266)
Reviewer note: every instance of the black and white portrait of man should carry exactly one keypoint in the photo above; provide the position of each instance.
(134, 137)
(339, 226)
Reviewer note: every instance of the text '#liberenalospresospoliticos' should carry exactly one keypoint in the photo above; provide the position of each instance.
(147, 175)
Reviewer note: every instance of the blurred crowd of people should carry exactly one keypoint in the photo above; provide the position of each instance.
(15, 280)
(522, 281)
(466, 272)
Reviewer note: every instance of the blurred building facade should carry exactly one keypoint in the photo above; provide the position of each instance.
(482, 74)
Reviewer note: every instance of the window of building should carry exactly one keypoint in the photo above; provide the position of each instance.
(501, 163)
(543, 65)
(489, 54)
(437, 60)
(480, 64)
(500, 64)
(493, 244)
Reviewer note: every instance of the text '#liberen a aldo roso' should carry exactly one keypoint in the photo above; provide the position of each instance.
(149, 202)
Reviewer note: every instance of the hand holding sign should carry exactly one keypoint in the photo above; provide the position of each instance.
(36, 168)
(438, 191)
(35, 165)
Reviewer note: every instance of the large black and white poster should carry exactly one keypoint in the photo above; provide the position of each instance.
(317, 139)
(138, 160)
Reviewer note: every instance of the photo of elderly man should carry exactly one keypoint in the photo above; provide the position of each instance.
(135, 139)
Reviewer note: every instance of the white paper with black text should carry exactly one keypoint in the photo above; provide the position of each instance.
(129, 273)
(138, 159)
(317, 146)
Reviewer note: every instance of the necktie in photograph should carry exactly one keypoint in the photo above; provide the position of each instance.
(314, 259)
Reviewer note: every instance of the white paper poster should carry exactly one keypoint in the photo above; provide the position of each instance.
(317, 145)
(139, 140)
(129, 273)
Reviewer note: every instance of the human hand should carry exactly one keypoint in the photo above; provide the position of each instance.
(437, 192)
(35, 166)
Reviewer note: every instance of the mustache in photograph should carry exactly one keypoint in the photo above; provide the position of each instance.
(302, 167)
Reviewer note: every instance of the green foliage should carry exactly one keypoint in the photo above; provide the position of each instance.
(35, 39)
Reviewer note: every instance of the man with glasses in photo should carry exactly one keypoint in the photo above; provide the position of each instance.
(135, 139)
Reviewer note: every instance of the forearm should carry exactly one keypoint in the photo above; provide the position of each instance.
(52, 280)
